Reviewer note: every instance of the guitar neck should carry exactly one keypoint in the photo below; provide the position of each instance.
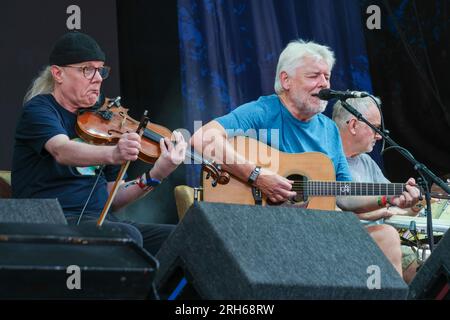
(337, 188)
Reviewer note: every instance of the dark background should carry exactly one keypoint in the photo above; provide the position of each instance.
(28, 30)
(141, 42)
(150, 80)
(142, 33)
(409, 66)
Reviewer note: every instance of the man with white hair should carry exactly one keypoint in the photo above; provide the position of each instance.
(304, 68)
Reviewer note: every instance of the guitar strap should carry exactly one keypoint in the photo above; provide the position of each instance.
(257, 196)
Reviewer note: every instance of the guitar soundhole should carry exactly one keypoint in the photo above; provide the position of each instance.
(299, 186)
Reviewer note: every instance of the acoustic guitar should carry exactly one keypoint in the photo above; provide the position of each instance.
(312, 172)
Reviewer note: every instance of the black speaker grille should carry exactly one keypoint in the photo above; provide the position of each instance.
(253, 252)
(31, 211)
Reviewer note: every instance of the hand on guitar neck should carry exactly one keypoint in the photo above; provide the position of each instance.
(409, 197)
(406, 198)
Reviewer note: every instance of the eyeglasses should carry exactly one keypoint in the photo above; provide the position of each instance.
(378, 126)
(89, 71)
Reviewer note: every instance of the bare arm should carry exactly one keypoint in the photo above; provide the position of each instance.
(73, 153)
(382, 213)
(127, 195)
(358, 204)
(407, 199)
(211, 140)
(385, 213)
(412, 212)
(171, 156)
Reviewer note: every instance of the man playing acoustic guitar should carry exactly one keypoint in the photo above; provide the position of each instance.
(304, 68)
(358, 139)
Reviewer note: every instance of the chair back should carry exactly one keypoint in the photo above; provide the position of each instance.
(5, 184)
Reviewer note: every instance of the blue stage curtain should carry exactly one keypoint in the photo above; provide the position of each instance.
(229, 50)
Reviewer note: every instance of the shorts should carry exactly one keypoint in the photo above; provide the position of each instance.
(408, 257)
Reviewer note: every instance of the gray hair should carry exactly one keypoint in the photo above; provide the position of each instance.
(43, 84)
(341, 115)
(292, 57)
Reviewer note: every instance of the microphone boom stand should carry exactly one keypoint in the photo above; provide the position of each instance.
(427, 175)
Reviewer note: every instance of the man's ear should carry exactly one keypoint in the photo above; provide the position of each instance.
(56, 73)
(351, 126)
(285, 80)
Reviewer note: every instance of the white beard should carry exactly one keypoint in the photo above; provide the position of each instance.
(310, 109)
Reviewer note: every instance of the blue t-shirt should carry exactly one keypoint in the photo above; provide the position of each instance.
(274, 125)
(36, 174)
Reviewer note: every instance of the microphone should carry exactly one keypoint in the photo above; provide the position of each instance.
(328, 94)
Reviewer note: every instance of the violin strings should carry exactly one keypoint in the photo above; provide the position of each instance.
(157, 137)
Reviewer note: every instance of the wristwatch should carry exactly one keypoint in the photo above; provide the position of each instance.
(254, 175)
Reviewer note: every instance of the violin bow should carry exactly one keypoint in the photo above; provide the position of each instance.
(123, 170)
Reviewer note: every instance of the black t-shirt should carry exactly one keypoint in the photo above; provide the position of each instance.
(36, 174)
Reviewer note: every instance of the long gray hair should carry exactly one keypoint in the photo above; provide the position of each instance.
(43, 84)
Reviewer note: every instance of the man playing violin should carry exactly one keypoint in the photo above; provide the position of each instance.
(51, 162)
(304, 68)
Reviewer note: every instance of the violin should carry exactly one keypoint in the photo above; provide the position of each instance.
(106, 122)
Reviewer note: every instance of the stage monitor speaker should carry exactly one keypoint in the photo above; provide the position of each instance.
(224, 251)
(50, 261)
(31, 211)
(433, 279)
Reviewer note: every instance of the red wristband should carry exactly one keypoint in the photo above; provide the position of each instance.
(142, 183)
(382, 201)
